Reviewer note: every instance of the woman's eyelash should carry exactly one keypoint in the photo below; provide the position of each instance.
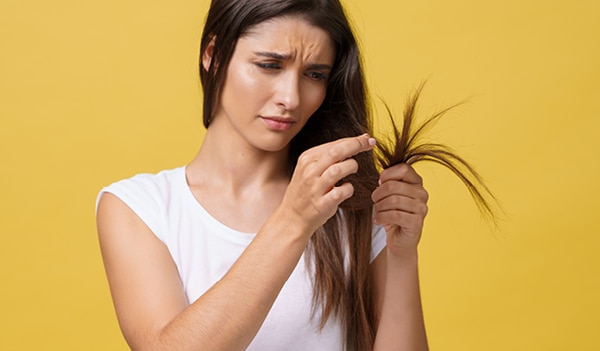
(317, 75)
(269, 65)
(314, 75)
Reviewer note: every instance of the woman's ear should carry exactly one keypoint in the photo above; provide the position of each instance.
(207, 55)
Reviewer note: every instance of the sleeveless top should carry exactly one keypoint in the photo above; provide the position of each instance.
(204, 249)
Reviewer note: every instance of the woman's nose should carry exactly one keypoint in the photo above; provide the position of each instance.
(287, 91)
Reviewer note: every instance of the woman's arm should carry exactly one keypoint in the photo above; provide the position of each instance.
(149, 297)
(400, 205)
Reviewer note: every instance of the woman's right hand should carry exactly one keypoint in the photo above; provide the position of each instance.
(312, 197)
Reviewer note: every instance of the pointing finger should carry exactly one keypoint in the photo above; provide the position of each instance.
(342, 149)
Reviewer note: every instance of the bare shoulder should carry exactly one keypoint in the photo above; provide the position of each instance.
(114, 217)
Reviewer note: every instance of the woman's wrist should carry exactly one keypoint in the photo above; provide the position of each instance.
(289, 225)
(403, 255)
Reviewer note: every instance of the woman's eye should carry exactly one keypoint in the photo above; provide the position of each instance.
(317, 75)
(269, 65)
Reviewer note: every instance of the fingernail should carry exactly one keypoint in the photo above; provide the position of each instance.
(379, 181)
(372, 141)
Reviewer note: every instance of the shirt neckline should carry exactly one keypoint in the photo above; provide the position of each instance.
(182, 180)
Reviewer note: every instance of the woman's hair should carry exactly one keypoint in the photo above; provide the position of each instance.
(339, 253)
(340, 289)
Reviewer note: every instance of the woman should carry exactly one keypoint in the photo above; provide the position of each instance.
(280, 234)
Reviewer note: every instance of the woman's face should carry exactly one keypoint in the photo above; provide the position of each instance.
(276, 79)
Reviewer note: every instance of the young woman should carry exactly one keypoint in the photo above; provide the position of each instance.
(280, 234)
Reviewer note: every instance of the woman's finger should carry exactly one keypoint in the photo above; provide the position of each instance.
(390, 188)
(401, 203)
(401, 172)
(321, 157)
(337, 171)
(409, 222)
(338, 194)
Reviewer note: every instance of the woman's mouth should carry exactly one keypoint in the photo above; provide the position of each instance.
(278, 123)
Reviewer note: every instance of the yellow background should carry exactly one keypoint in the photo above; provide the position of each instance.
(95, 91)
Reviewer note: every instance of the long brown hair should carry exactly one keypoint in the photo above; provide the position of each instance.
(340, 291)
(339, 252)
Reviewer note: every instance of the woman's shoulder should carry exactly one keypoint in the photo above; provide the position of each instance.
(148, 195)
(161, 178)
(146, 187)
(149, 181)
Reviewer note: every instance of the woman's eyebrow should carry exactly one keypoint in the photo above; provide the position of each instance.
(320, 66)
(273, 55)
(285, 57)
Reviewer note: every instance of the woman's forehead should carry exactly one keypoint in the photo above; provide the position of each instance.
(290, 35)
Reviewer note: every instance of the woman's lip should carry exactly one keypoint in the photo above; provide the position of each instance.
(278, 123)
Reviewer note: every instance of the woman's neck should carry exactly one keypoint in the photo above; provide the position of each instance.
(231, 164)
(238, 185)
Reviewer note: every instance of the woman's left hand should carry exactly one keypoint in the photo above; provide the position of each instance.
(401, 206)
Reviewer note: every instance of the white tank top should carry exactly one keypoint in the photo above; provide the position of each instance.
(204, 249)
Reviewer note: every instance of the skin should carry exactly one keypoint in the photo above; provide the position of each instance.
(277, 75)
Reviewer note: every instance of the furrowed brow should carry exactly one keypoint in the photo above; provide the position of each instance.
(273, 55)
(320, 66)
(285, 57)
